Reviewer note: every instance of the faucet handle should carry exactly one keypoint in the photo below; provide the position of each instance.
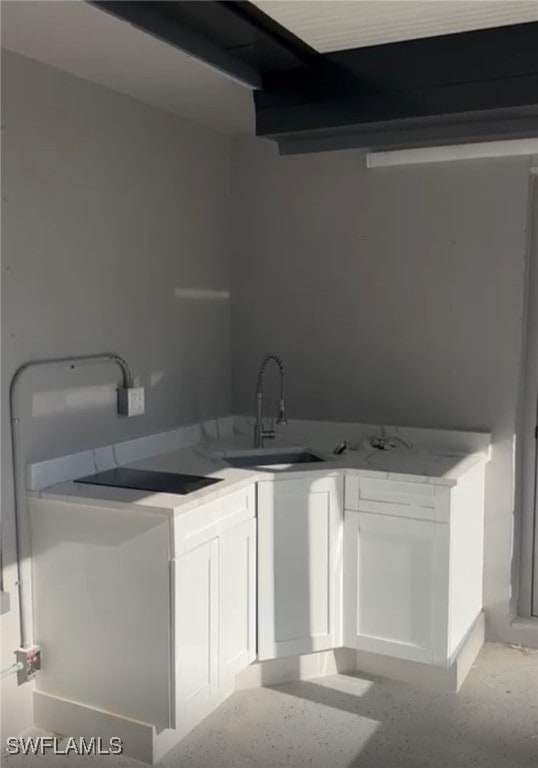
(281, 412)
(270, 433)
(340, 448)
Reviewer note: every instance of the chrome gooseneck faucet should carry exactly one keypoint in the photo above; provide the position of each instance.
(259, 432)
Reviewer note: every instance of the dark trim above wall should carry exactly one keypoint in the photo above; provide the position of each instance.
(411, 134)
(233, 37)
(477, 85)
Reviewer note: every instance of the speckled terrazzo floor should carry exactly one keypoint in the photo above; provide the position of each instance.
(345, 721)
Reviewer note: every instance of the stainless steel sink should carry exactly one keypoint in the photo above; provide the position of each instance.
(259, 459)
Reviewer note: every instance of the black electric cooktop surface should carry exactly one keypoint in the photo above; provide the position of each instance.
(148, 480)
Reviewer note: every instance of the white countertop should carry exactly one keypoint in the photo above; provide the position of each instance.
(397, 464)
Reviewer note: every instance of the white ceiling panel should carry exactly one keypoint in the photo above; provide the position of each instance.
(336, 25)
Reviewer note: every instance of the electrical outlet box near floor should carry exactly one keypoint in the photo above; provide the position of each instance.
(131, 401)
(29, 661)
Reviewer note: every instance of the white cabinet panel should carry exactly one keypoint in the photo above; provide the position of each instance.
(299, 566)
(237, 583)
(396, 589)
(466, 555)
(102, 607)
(196, 631)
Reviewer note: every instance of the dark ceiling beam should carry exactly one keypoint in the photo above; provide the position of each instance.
(404, 90)
(268, 31)
(485, 54)
(233, 37)
(368, 107)
(409, 134)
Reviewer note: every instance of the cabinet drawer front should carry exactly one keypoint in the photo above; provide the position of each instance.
(209, 520)
(421, 501)
(309, 483)
(397, 492)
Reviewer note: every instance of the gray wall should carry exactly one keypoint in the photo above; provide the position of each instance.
(109, 206)
(394, 296)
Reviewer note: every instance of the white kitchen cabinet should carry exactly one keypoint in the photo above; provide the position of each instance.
(237, 593)
(413, 558)
(101, 585)
(396, 596)
(157, 615)
(214, 604)
(300, 526)
(196, 623)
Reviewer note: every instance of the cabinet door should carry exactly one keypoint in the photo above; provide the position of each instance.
(299, 566)
(237, 588)
(396, 586)
(196, 632)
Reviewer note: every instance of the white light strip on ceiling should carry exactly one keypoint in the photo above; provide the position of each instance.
(449, 152)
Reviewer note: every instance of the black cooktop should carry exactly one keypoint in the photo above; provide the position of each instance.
(148, 480)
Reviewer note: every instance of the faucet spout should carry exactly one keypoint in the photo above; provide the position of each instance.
(259, 432)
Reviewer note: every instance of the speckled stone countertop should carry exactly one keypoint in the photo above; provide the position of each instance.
(423, 466)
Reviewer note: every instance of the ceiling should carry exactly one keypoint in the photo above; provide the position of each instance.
(335, 25)
(79, 38)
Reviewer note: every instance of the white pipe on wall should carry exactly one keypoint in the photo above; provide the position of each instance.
(12, 670)
(22, 544)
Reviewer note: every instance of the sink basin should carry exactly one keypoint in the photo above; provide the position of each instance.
(261, 459)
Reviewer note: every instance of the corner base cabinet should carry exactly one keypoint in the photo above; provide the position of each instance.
(300, 525)
(413, 557)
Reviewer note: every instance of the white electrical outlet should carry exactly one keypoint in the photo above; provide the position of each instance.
(131, 401)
